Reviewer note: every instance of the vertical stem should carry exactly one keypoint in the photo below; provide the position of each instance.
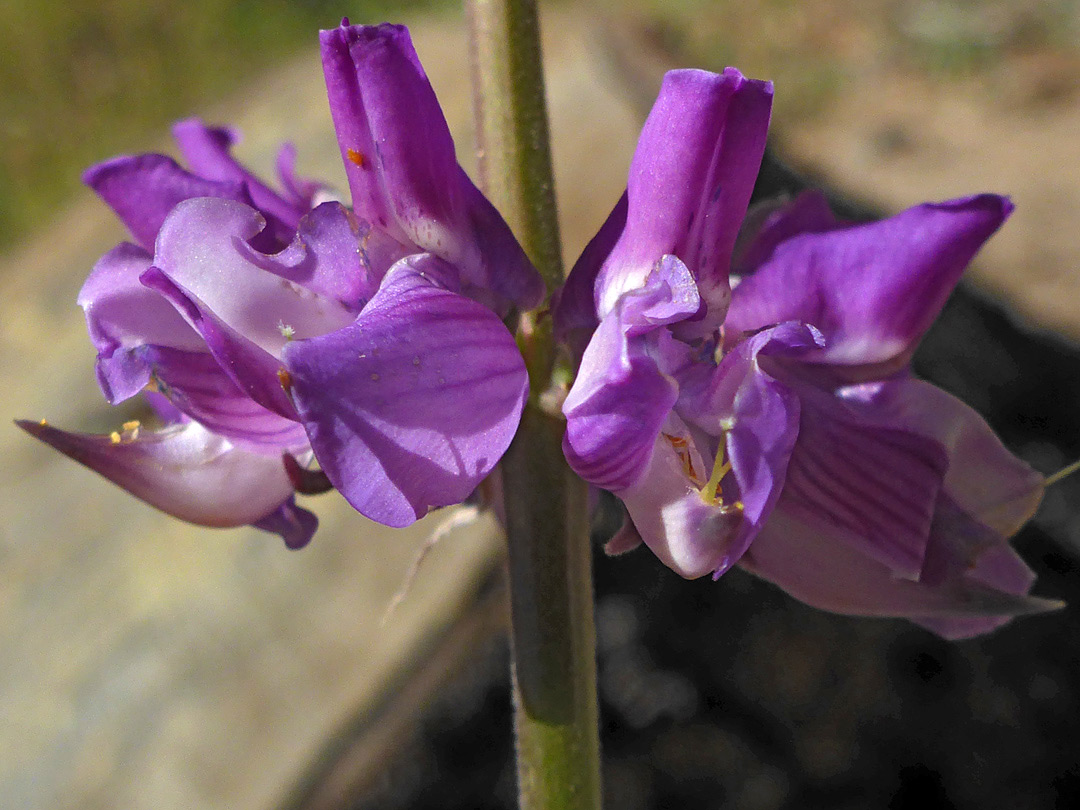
(553, 635)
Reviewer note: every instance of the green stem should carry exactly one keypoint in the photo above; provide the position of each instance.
(553, 635)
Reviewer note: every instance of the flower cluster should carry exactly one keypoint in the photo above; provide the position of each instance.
(753, 403)
(270, 329)
(744, 390)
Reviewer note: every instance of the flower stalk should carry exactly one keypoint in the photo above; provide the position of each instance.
(553, 635)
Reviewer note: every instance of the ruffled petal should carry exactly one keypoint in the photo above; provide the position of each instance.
(183, 470)
(255, 371)
(143, 189)
(203, 249)
(411, 406)
(818, 565)
(122, 316)
(690, 183)
(334, 256)
(872, 289)
(208, 151)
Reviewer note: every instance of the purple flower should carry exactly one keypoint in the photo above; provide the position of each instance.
(776, 424)
(275, 332)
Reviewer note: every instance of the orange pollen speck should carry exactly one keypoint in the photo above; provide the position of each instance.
(285, 378)
(356, 158)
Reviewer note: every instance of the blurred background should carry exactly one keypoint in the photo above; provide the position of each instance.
(144, 663)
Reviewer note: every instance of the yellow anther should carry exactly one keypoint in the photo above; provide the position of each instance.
(132, 425)
(114, 437)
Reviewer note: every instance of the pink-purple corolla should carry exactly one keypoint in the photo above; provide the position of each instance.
(755, 406)
(271, 330)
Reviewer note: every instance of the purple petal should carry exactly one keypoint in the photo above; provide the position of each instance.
(332, 255)
(690, 183)
(295, 525)
(143, 189)
(872, 289)
(399, 158)
(122, 316)
(807, 213)
(573, 308)
(411, 406)
(207, 151)
(203, 249)
(183, 470)
(757, 418)
(820, 566)
(868, 476)
(688, 533)
(984, 479)
(198, 386)
(300, 191)
(616, 408)
(255, 371)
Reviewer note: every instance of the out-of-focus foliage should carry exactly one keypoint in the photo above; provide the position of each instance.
(81, 81)
(809, 49)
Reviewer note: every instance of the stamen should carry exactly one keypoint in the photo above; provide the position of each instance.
(711, 492)
(287, 331)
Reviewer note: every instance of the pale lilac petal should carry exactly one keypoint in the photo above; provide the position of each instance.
(868, 476)
(207, 151)
(203, 249)
(332, 255)
(690, 183)
(758, 418)
(198, 386)
(122, 316)
(411, 406)
(687, 533)
(872, 289)
(819, 566)
(616, 407)
(625, 540)
(143, 189)
(255, 371)
(294, 524)
(985, 480)
(184, 470)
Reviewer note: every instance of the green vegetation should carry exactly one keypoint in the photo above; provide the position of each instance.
(83, 81)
